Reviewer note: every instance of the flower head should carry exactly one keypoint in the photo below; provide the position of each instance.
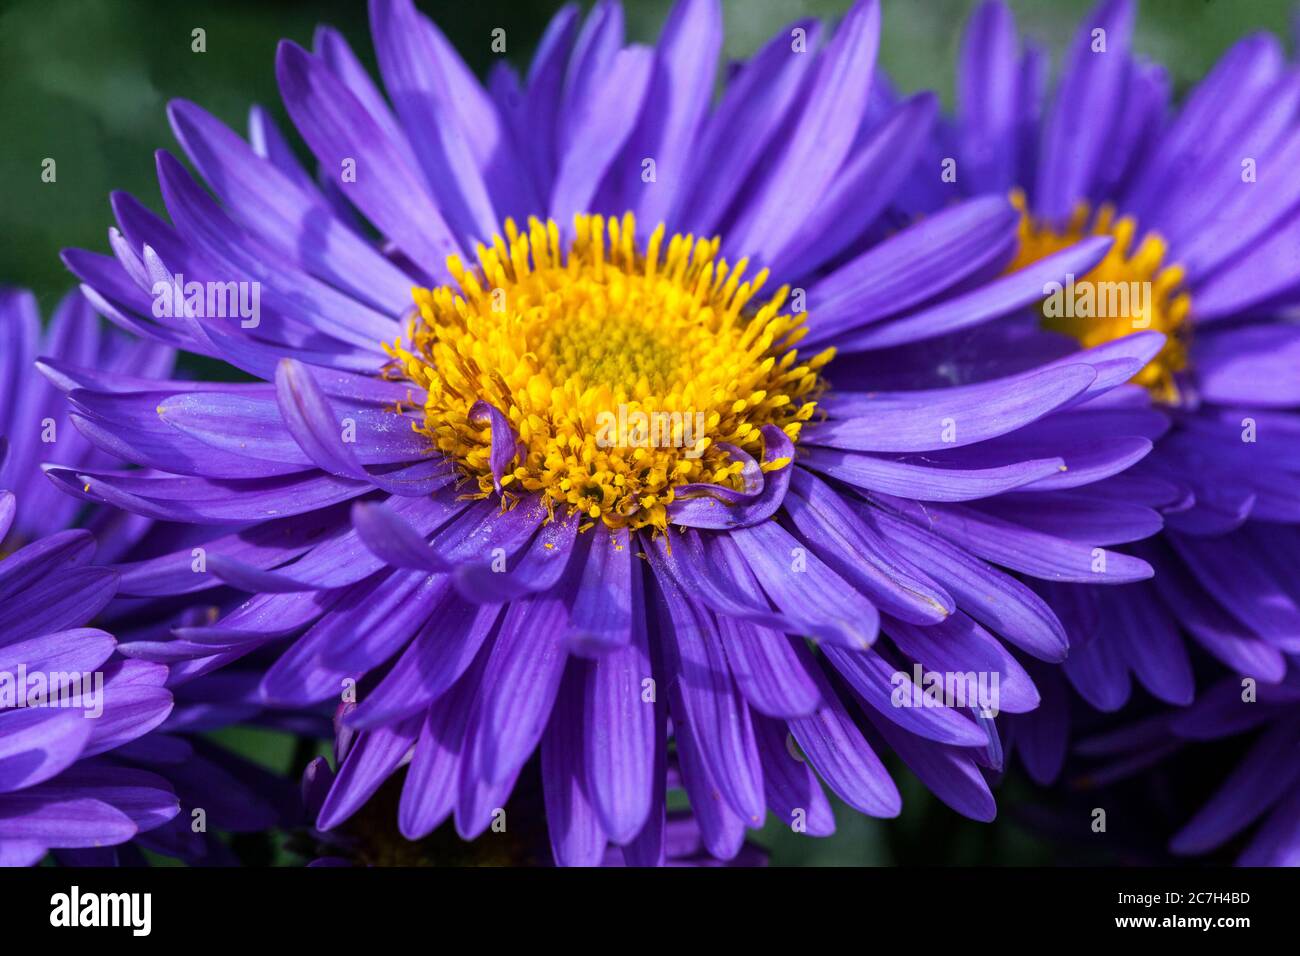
(1200, 205)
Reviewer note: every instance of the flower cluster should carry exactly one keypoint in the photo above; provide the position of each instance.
(585, 438)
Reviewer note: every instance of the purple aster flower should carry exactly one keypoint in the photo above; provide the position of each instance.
(144, 752)
(67, 707)
(1201, 204)
(595, 485)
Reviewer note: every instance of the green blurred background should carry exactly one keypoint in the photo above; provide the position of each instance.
(86, 81)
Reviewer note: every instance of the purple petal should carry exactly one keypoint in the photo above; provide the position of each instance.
(36, 743)
(429, 792)
(862, 556)
(718, 716)
(576, 836)
(1075, 134)
(773, 678)
(410, 63)
(374, 756)
(996, 600)
(519, 686)
(621, 729)
(841, 756)
(820, 140)
(695, 506)
(338, 128)
(920, 420)
(31, 817)
(604, 122)
(793, 791)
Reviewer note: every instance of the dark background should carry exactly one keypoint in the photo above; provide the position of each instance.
(86, 82)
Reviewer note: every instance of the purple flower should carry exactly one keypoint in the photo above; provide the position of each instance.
(591, 489)
(1201, 202)
(83, 785)
(68, 710)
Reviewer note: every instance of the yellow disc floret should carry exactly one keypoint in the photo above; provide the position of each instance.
(1131, 289)
(623, 372)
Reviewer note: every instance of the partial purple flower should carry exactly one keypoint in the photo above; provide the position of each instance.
(68, 708)
(145, 748)
(1203, 209)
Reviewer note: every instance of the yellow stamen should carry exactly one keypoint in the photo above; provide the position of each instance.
(620, 371)
(1130, 290)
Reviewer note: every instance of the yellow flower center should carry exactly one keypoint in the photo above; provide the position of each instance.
(1130, 290)
(624, 373)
